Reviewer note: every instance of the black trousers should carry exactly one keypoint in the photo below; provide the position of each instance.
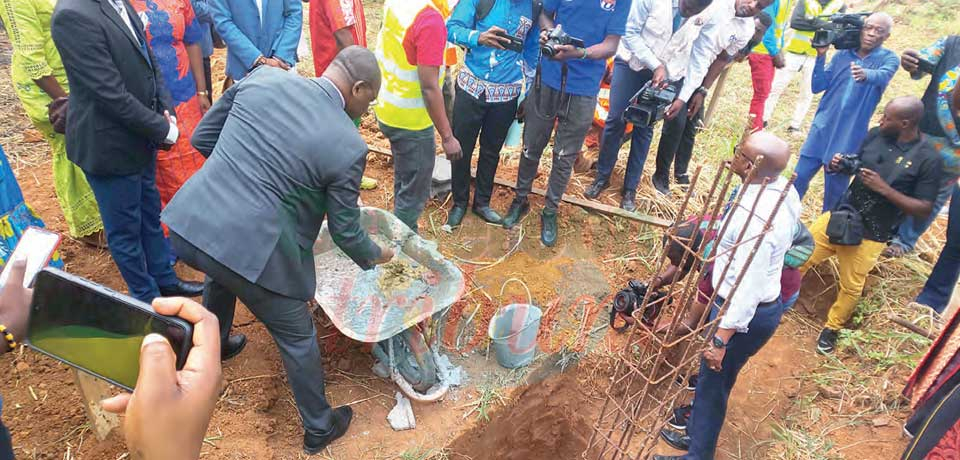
(208, 77)
(676, 143)
(489, 121)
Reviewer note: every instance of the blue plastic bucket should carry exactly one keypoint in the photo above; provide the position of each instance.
(513, 331)
(514, 135)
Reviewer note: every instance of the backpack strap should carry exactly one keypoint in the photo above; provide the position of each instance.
(483, 9)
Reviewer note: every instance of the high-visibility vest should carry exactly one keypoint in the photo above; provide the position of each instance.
(784, 10)
(800, 43)
(400, 101)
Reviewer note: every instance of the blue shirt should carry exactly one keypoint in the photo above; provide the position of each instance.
(843, 116)
(498, 73)
(590, 21)
(201, 9)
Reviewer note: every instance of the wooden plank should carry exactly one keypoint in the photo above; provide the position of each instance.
(912, 327)
(592, 205)
(715, 97)
(94, 390)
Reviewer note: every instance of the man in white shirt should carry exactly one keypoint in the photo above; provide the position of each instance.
(754, 308)
(720, 40)
(654, 48)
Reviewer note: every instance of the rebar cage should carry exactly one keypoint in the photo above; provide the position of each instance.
(656, 357)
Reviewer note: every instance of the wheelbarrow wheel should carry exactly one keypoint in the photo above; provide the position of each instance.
(418, 367)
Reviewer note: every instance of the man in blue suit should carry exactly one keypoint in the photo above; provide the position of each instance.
(258, 32)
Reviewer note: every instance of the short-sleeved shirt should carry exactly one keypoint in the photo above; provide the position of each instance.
(329, 16)
(919, 168)
(426, 39)
(590, 21)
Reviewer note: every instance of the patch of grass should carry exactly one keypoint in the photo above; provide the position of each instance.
(419, 453)
(488, 397)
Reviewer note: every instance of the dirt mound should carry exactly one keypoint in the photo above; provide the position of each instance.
(550, 419)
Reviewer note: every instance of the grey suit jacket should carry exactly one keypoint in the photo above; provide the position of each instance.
(282, 155)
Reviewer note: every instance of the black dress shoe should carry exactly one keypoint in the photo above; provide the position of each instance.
(488, 215)
(682, 179)
(456, 216)
(667, 457)
(515, 213)
(182, 289)
(596, 188)
(313, 444)
(629, 201)
(675, 439)
(233, 346)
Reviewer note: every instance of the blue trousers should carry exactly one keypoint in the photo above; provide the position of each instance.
(910, 230)
(130, 208)
(833, 184)
(713, 388)
(623, 86)
(939, 287)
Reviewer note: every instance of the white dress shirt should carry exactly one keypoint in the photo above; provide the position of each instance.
(721, 34)
(761, 282)
(634, 49)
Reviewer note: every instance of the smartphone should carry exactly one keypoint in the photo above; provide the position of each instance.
(96, 329)
(925, 66)
(36, 246)
(515, 44)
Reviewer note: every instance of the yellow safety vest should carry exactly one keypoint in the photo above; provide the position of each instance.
(400, 101)
(784, 9)
(800, 43)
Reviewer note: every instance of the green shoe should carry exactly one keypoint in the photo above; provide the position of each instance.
(515, 213)
(456, 216)
(548, 227)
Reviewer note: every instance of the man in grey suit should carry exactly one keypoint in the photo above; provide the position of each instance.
(282, 155)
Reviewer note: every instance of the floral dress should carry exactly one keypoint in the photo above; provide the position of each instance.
(15, 214)
(35, 56)
(170, 26)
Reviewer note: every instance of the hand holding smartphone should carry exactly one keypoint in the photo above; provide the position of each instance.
(36, 246)
(98, 330)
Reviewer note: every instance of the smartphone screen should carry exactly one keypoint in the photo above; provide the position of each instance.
(97, 330)
(36, 246)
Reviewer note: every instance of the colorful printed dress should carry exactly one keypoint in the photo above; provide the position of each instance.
(170, 26)
(35, 56)
(15, 214)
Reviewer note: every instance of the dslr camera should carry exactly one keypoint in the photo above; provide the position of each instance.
(842, 31)
(849, 165)
(628, 300)
(649, 104)
(557, 37)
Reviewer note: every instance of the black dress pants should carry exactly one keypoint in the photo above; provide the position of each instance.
(490, 121)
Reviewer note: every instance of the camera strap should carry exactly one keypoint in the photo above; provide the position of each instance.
(538, 84)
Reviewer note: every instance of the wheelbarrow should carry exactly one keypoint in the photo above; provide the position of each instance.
(404, 324)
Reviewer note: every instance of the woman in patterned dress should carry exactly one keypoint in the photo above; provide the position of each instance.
(39, 78)
(174, 34)
(15, 214)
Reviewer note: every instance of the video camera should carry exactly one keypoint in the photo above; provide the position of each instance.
(842, 31)
(649, 104)
(849, 165)
(628, 300)
(557, 37)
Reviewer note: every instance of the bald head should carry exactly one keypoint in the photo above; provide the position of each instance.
(356, 74)
(876, 30)
(901, 118)
(775, 153)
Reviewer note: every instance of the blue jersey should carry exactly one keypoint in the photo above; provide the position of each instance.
(590, 21)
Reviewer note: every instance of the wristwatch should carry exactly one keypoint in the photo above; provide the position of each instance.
(719, 343)
(701, 90)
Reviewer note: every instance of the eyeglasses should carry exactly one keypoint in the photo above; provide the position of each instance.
(738, 152)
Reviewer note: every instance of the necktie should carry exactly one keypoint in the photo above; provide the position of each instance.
(677, 20)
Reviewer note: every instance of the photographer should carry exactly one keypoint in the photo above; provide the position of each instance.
(852, 83)
(564, 95)
(720, 41)
(655, 49)
(897, 173)
(488, 87)
(800, 57)
(942, 61)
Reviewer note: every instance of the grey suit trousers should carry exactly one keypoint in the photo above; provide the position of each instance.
(288, 321)
(414, 154)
